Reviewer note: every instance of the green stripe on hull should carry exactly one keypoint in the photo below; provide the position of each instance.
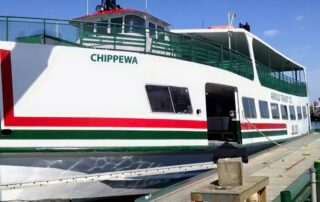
(255, 134)
(165, 149)
(96, 134)
(317, 130)
(109, 149)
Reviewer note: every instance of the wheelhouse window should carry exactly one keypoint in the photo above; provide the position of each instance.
(304, 111)
(160, 31)
(264, 109)
(275, 111)
(169, 99)
(88, 27)
(134, 24)
(299, 112)
(284, 112)
(249, 107)
(292, 112)
(116, 25)
(152, 30)
(102, 27)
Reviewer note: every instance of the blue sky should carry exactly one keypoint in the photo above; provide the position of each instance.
(291, 26)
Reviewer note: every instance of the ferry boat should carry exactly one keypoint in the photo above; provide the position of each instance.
(117, 90)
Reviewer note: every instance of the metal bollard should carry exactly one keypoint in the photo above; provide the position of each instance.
(317, 167)
(285, 196)
(313, 184)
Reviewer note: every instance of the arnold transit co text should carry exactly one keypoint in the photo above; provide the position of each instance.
(114, 58)
(282, 98)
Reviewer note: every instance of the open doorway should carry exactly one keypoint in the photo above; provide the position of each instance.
(221, 112)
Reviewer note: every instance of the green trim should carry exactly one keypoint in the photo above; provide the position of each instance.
(317, 130)
(101, 134)
(255, 134)
(201, 149)
(108, 149)
(238, 132)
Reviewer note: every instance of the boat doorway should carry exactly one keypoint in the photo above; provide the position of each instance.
(222, 113)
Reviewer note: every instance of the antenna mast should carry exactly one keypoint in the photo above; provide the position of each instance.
(146, 5)
(87, 7)
(231, 17)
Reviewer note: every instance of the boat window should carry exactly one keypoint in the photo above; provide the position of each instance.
(181, 100)
(299, 113)
(169, 99)
(264, 109)
(292, 112)
(284, 112)
(304, 111)
(275, 111)
(88, 27)
(159, 98)
(160, 32)
(116, 25)
(152, 30)
(134, 24)
(102, 27)
(249, 107)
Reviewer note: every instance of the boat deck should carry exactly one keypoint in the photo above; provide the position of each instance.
(282, 164)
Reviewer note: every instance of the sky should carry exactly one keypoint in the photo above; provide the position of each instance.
(290, 26)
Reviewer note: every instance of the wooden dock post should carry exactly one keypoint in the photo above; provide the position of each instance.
(251, 185)
(232, 185)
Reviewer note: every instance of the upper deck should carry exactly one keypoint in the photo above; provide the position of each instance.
(274, 69)
(131, 30)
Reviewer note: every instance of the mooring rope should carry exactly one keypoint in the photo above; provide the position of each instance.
(276, 143)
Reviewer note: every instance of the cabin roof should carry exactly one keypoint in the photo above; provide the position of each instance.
(120, 12)
(220, 33)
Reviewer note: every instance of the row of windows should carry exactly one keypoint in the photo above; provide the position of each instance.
(177, 100)
(134, 24)
(250, 110)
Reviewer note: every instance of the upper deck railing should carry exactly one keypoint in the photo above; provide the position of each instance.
(277, 80)
(130, 38)
(126, 38)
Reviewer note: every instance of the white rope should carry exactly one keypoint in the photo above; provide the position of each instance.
(274, 142)
(261, 133)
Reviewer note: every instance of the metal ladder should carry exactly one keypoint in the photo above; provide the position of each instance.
(113, 176)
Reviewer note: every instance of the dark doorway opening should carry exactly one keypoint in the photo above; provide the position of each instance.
(221, 112)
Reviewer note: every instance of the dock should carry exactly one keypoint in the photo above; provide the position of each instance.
(284, 164)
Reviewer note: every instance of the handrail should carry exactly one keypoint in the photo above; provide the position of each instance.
(277, 80)
(281, 73)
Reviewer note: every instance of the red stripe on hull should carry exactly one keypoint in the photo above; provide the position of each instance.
(250, 126)
(103, 122)
(11, 120)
